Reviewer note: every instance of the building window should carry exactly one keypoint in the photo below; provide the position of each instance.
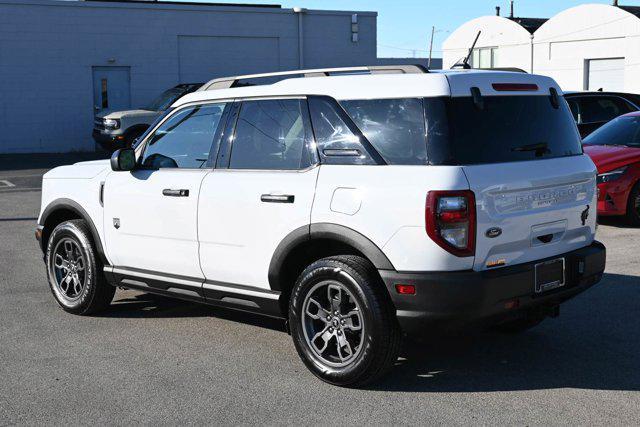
(485, 57)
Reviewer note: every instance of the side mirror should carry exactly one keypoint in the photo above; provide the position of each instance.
(123, 159)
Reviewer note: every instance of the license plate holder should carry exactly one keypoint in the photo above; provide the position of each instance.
(550, 275)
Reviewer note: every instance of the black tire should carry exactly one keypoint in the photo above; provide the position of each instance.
(633, 209)
(520, 325)
(94, 294)
(380, 336)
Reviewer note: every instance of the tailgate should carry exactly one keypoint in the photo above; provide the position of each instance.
(531, 210)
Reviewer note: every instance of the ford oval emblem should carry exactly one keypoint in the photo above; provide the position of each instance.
(493, 232)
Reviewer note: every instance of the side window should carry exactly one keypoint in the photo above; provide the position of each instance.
(575, 110)
(395, 127)
(602, 108)
(185, 139)
(337, 144)
(270, 135)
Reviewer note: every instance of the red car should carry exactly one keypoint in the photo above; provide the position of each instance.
(615, 149)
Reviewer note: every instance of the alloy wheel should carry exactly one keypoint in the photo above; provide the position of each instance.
(333, 323)
(68, 269)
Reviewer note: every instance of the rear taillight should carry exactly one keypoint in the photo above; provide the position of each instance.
(451, 221)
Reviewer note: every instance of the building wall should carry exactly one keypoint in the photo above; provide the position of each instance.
(48, 49)
(565, 43)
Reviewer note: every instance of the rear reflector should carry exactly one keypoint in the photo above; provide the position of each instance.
(406, 289)
(514, 87)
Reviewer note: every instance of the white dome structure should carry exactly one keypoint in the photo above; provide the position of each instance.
(587, 47)
(503, 42)
(591, 47)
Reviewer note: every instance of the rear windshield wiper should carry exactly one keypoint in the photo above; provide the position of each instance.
(540, 149)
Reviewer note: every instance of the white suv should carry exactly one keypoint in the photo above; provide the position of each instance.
(358, 204)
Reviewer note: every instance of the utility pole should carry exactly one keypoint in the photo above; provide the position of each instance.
(433, 31)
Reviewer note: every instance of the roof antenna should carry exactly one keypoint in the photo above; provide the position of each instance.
(464, 64)
(511, 16)
(497, 10)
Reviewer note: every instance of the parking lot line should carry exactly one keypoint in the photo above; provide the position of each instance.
(6, 184)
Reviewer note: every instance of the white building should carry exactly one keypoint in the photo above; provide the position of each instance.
(588, 47)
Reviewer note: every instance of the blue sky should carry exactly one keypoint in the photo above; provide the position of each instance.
(404, 26)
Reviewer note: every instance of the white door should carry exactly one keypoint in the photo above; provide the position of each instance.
(150, 214)
(266, 192)
(606, 74)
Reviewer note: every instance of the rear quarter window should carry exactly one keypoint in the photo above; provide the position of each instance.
(395, 128)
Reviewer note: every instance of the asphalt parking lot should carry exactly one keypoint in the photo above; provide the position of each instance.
(152, 360)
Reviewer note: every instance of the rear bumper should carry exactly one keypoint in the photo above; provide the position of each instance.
(451, 300)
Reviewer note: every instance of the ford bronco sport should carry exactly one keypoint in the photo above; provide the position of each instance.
(358, 204)
(119, 129)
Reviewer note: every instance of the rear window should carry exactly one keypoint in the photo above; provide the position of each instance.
(454, 131)
(510, 129)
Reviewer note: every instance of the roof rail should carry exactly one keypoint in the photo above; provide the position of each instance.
(229, 82)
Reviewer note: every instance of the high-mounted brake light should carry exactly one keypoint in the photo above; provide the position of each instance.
(451, 221)
(515, 87)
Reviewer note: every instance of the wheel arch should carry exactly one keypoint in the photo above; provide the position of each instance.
(64, 209)
(309, 243)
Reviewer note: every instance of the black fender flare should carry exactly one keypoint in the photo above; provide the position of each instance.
(71, 205)
(324, 231)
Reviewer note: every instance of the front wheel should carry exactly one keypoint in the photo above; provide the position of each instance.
(342, 322)
(74, 272)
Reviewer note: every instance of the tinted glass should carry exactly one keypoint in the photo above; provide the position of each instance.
(269, 135)
(337, 144)
(185, 139)
(395, 127)
(620, 131)
(510, 128)
(165, 99)
(602, 108)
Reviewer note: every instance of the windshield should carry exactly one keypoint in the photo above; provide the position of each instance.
(621, 131)
(165, 100)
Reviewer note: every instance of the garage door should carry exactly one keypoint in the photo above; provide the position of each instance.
(203, 58)
(606, 74)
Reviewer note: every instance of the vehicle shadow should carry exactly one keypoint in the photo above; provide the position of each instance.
(593, 345)
(618, 222)
(133, 304)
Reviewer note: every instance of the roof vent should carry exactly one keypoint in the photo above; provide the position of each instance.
(497, 10)
(615, 3)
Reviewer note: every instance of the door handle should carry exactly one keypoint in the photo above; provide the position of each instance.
(175, 193)
(277, 198)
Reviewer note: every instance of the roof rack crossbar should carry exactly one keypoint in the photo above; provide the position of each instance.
(229, 82)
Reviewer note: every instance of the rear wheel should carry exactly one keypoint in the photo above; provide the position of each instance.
(74, 272)
(342, 322)
(633, 206)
